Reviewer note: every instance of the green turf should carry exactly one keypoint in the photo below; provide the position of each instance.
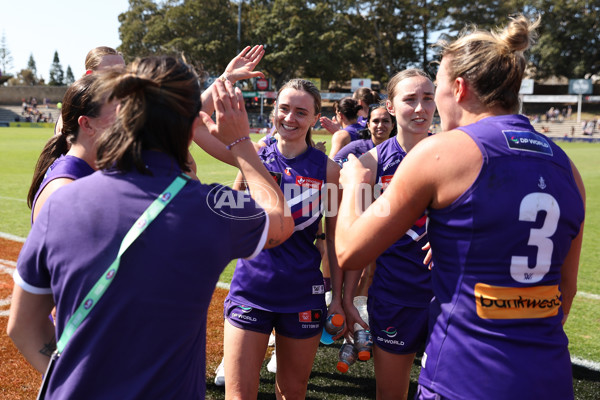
(20, 147)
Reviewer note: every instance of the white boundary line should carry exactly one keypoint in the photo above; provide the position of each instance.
(13, 199)
(8, 236)
(588, 295)
(8, 267)
(593, 365)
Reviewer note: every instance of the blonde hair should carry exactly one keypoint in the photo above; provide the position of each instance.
(94, 56)
(492, 62)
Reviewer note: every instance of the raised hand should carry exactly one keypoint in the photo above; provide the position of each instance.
(242, 66)
(331, 125)
(231, 117)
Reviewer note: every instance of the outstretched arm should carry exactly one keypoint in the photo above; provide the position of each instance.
(232, 129)
(330, 124)
(429, 176)
(352, 278)
(239, 68)
(338, 140)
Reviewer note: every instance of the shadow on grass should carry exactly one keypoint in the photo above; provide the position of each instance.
(326, 383)
(586, 383)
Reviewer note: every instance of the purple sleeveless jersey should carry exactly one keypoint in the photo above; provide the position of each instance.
(63, 167)
(400, 276)
(357, 147)
(495, 320)
(353, 131)
(287, 278)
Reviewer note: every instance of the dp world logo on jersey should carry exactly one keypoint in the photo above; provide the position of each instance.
(527, 141)
(233, 204)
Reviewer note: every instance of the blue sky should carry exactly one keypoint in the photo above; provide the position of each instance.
(71, 27)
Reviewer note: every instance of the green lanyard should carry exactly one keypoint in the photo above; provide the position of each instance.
(100, 287)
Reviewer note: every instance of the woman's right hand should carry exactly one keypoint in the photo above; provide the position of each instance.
(231, 117)
(331, 125)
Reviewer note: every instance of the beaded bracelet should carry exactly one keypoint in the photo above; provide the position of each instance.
(237, 141)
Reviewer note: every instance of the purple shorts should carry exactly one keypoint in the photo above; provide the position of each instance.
(397, 329)
(299, 325)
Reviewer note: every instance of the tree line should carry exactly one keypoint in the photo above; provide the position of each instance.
(335, 40)
(29, 76)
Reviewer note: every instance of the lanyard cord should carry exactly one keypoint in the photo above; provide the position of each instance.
(106, 279)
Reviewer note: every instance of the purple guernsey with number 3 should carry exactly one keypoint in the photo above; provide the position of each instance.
(496, 319)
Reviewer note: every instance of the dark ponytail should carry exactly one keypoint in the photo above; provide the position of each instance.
(77, 101)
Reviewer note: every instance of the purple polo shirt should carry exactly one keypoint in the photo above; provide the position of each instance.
(146, 336)
(63, 167)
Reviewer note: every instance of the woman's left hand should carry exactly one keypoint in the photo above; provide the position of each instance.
(242, 66)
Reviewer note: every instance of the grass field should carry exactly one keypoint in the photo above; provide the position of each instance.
(20, 147)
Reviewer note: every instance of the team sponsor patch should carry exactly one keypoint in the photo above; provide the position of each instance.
(499, 302)
(276, 177)
(527, 141)
(318, 289)
(309, 182)
(391, 164)
(385, 181)
(309, 316)
(390, 331)
(421, 221)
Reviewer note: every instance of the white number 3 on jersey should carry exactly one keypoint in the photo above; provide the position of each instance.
(531, 205)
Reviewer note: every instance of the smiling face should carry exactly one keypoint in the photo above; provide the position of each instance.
(413, 105)
(295, 114)
(380, 125)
